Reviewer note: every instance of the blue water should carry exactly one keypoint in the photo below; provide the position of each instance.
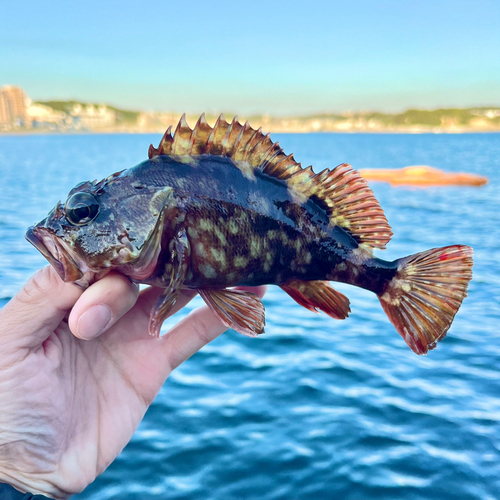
(315, 408)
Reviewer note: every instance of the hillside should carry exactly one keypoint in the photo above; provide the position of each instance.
(91, 116)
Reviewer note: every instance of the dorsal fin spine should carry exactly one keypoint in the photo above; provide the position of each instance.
(199, 137)
(211, 136)
(192, 139)
(268, 159)
(287, 166)
(260, 150)
(249, 137)
(166, 142)
(252, 142)
(217, 136)
(241, 142)
(182, 137)
(225, 141)
(231, 136)
(269, 165)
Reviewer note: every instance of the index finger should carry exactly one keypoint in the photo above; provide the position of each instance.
(37, 309)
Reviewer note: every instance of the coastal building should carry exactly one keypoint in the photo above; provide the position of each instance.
(92, 116)
(43, 116)
(4, 111)
(13, 107)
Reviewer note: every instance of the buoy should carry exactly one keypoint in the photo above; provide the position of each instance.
(423, 175)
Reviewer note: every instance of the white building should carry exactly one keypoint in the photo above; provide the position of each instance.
(91, 117)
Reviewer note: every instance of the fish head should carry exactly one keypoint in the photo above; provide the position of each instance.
(114, 224)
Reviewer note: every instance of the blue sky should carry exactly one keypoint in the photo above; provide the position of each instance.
(281, 57)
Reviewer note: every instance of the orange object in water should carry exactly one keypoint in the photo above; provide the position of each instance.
(421, 175)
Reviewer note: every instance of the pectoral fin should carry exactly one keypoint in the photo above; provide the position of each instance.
(175, 274)
(314, 295)
(242, 311)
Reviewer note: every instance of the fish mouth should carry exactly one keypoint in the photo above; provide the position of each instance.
(55, 252)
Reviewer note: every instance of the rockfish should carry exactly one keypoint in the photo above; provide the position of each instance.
(217, 207)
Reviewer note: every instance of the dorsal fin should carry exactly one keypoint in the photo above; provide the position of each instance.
(351, 203)
(344, 194)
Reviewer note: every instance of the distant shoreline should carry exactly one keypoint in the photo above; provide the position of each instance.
(19, 115)
(131, 131)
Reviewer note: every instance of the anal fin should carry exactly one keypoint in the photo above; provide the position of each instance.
(242, 311)
(314, 295)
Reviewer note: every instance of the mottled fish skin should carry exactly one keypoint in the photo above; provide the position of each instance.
(250, 231)
(217, 207)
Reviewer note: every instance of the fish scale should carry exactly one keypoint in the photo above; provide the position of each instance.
(216, 207)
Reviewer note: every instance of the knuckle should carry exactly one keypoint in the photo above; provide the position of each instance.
(202, 328)
(176, 356)
(199, 329)
(39, 285)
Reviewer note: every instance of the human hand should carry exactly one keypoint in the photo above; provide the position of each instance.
(68, 405)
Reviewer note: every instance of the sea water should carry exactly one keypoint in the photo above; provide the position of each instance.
(315, 408)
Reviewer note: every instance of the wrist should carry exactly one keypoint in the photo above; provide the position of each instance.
(28, 489)
(8, 492)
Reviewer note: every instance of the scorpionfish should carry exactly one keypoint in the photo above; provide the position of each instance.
(213, 208)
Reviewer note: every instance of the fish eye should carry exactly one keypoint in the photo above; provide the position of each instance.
(81, 209)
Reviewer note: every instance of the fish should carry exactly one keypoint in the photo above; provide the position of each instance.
(213, 208)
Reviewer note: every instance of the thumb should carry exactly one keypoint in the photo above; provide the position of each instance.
(38, 308)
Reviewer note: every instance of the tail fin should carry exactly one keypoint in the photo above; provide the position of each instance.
(426, 293)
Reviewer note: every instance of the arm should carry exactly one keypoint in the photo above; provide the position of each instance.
(68, 405)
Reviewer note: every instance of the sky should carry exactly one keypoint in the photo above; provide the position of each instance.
(277, 57)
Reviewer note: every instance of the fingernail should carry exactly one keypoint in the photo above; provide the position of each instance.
(93, 322)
